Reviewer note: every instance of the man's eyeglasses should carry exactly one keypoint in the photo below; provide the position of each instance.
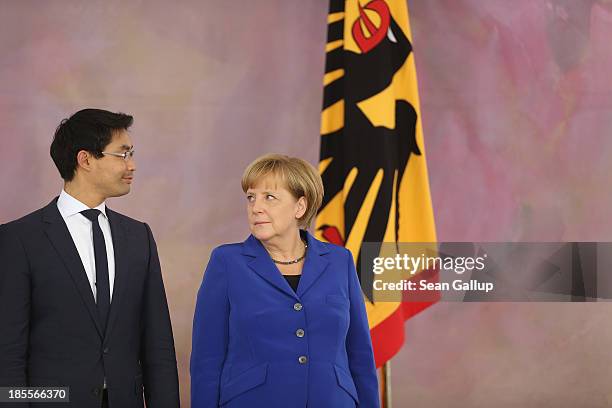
(125, 155)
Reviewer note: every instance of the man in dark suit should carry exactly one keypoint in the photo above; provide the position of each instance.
(82, 301)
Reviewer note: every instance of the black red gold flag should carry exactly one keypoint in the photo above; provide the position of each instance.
(372, 152)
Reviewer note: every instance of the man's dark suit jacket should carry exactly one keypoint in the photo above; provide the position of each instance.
(50, 333)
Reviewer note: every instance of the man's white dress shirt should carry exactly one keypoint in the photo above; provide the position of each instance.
(82, 235)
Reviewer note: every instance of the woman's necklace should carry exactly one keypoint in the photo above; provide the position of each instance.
(295, 260)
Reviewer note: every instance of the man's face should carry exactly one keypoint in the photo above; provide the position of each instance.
(112, 176)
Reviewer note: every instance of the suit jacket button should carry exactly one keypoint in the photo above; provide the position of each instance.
(105, 351)
(299, 332)
(297, 307)
(95, 391)
(303, 359)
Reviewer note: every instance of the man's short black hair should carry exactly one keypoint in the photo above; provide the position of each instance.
(88, 129)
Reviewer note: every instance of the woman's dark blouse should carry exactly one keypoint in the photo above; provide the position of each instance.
(293, 281)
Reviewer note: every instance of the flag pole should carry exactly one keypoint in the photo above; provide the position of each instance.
(386, 385)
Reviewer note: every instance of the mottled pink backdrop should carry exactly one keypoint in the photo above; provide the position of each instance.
(517, 114)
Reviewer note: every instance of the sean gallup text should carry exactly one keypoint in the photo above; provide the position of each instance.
(472, 285)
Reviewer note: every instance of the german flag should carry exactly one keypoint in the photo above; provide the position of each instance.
(372, 153)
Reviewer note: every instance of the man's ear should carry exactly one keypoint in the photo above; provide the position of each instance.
(84, 160)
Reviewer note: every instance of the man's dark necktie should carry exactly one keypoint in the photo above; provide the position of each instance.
(102, 282)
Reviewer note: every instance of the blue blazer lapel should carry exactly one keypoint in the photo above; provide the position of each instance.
(118, 231)
(314, 265)
(60, 238)
(262, 264)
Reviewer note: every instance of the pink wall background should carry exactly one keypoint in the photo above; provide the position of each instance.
(516, 104)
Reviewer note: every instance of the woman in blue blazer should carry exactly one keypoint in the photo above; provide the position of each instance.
(280, 319)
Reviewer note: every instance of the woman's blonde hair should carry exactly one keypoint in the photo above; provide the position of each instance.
(299, 176)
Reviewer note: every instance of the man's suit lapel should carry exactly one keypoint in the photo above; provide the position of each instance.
(60, 238)
(119, 233)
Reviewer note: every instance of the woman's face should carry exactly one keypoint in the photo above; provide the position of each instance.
(273, 212)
